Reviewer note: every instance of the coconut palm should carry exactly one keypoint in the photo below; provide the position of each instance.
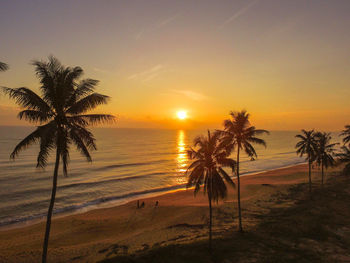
(346, 134)
(324, 151)
(307, 145)
(239, 135)
(207, 170)
(3, 66)
(344, 157)
(61, 115)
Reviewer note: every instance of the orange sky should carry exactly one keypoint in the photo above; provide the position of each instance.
(286, 62)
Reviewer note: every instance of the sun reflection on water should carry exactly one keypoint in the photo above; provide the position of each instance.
(181, 152)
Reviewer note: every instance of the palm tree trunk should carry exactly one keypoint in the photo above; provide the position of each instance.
(210, 224)
(239, 195)
(52, 202)
(322, 171)
(310, 187)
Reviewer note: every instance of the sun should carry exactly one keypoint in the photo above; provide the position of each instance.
(181, 114)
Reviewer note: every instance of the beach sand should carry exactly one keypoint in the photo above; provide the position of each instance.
(179, 217)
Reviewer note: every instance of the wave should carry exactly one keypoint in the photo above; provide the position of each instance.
(94, 202)
(82, 184)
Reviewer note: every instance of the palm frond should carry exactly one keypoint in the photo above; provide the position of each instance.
(3, 66)
(34, 116)
(27, 141)
(87, 103)
(94, 119)
(27, 98)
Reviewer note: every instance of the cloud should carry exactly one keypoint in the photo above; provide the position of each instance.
(148, 74)
(156, 26)
(239, 13)
(191, 94)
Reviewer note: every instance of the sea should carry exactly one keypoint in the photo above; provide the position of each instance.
(129, 164)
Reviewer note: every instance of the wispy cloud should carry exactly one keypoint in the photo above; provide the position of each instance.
(157, 25)
(148, 74)
(237, 14)
(191, 94)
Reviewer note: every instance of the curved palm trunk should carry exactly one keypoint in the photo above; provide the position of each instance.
(210, 224)
(239, 195)
(310, 183)
(52, 202)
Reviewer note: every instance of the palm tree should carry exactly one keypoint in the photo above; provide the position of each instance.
(324, 151)
(239, 134)
(307, 145)
(344, 157)
(61, 113)
(3, 66)
(346, 133)
(207, 170)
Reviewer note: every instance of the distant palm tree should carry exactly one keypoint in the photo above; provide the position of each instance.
(3, 66)
(346, 133)
(307, 145)
(240, 135)
(207, 170)
(324, 151)
(344, 157)
(61, 113)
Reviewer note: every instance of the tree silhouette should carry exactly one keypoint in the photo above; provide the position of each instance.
(238, 134)
(207, 170)
(307, 145)
(61, 113)
(324, 151)
(344, 157)
(3, 66)
(346, 134)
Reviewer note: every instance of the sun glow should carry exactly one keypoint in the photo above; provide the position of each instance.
(181, 114)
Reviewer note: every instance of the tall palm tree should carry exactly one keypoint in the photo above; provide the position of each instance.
(207, 170)
(324, 151)
(3, 66)
(346, 134)
(307, 145)
(344, 157)
(239, 135)
(61, 115)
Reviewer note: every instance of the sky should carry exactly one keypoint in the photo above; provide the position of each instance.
(286, 62)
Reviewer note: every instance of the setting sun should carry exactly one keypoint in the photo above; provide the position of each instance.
(181, 115)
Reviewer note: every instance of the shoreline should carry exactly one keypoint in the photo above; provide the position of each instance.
(178, 218)
(118, 202)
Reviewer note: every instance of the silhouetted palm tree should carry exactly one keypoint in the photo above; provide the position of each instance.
(61, 113)
(307, 145)
(239, 134)
(346, 134)
(207, 170)
(344, 157)
(324, 151)
(3, 66)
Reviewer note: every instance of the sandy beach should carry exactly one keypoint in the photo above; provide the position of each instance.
(179, 217)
